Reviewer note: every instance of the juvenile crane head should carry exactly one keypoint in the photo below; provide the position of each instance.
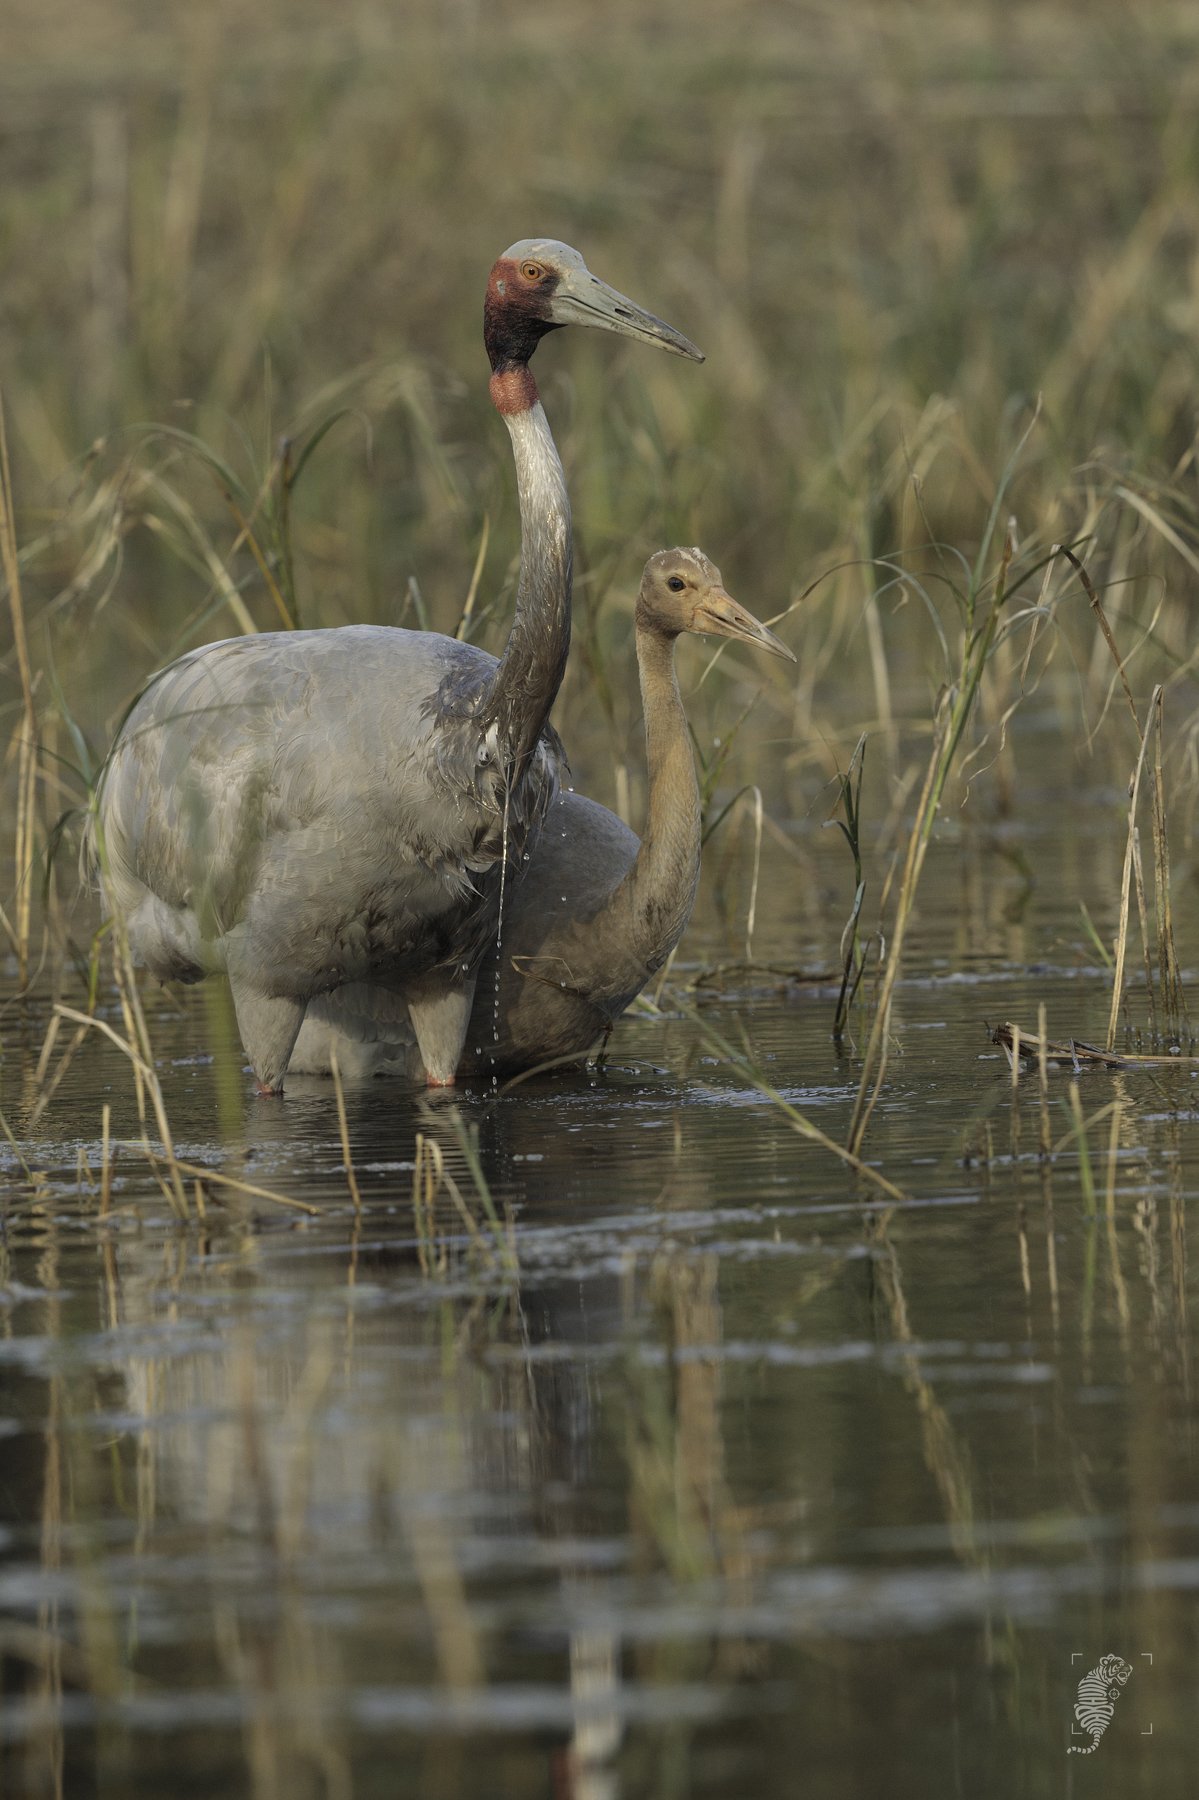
(682, 591)
(538, 285)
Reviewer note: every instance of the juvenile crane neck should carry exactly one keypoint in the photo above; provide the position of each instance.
(534, 659)
(659, 890)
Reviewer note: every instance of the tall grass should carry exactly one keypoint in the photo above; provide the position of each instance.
(239, 344)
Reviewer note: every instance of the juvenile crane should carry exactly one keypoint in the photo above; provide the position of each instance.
(306, 809)
(597, 913)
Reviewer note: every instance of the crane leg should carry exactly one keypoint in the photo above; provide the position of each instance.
(269, 1026)
(440, 1011)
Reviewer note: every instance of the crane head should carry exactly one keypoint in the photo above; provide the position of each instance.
(681, 590)
(539, 284)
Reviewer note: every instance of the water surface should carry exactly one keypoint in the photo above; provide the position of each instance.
(709, 1474)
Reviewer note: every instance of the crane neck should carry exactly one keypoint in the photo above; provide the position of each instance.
(659, 890)
(534, 658)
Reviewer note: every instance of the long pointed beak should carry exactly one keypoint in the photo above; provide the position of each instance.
(722, 616)
(581, 298)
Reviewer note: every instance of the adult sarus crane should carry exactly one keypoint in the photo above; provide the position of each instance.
(597, 913)
(306, 809)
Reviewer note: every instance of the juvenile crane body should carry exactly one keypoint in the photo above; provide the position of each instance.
(309, 809)
(597, 913)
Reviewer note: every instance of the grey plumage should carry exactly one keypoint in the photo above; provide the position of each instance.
(598, 911)
(310, 809)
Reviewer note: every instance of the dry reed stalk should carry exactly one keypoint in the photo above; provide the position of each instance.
(194, 535)
(105, 1159)
(874, 1062)
(34, 1177)
(48, 1092)
(1022, 1241)
(344, 1128)
(47, 1050)
(1050, 1245)
(1113, 1145)
(1171, 980)
(245, 535)
(502, 1241)
(753, 889)
(1043, 1078)
(144, 1071)
(1138, 876)
(237, 1185)
(802, 1126)
(1125, 889)
(426, 1177)
(1171, 983)
(1078, 1136)
(472, 591)
(26, 824)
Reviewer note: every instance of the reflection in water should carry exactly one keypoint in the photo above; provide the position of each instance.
(728, 1475)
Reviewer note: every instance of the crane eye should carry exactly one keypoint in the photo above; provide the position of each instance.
(532, 271)
(676, 584)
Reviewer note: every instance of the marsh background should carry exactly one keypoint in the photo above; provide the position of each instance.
(706, 1473)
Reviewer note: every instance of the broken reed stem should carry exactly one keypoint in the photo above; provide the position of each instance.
(344, 1128)
(23, 846)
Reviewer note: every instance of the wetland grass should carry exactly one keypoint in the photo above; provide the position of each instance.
(847, 442)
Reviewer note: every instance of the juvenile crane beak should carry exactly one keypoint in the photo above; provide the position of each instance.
(720, 615)
(581, 298)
